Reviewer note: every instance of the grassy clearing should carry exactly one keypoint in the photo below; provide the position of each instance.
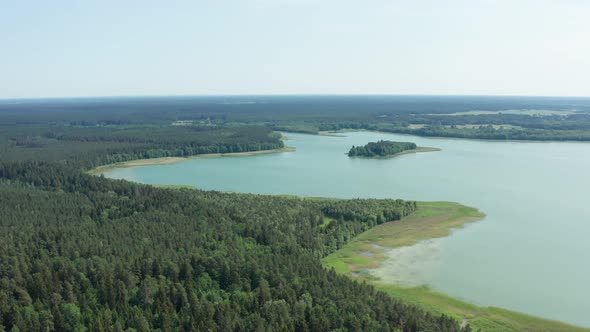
(468, 126)
(516, 112)
(172, 160)
(431, 220)
(475, 126)
(326, 222)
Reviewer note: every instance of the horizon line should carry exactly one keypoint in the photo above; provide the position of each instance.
(289, 95)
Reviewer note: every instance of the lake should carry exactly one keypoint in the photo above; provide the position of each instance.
(528, 254)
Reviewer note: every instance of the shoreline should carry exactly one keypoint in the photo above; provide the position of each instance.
(416, 150)
(430, 221)
(174, 160)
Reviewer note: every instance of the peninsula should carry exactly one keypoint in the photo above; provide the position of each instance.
(382, 149)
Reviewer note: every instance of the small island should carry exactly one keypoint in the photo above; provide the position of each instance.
(382, 149)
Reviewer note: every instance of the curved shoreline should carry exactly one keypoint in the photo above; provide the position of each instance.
(431, 220)
(173, 160)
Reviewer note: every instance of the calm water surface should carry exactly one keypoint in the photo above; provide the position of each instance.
(530, 252)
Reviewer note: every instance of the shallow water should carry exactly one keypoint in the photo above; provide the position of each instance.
(528, 254)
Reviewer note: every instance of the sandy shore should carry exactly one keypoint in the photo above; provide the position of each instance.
(172, 160)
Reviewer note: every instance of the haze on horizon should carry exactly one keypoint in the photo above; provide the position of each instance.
(110, 48)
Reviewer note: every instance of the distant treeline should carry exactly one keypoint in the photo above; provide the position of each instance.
(380, 149)
(484, 131)
(489, 132)
(567, 119)
(248, 109)
(89, 147)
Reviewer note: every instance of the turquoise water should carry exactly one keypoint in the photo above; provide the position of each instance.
(529, 254)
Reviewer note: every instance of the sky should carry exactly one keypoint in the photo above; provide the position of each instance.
(461, 47)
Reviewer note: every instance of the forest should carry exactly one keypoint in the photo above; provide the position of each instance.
(481, 117)
(85, 253)
(93, 146)
(380, 149)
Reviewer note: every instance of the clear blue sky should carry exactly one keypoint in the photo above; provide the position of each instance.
(102, 48)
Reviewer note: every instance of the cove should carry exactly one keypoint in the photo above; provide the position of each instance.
(528, 254)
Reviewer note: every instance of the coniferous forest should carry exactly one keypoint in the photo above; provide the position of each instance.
(82, 252)
(85, 253)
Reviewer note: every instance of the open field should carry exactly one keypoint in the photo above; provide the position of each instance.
(466, 126)
(431, 220)
(514, 112)
(475, 126)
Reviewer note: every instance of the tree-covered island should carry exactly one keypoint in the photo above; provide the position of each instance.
(383, 148)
